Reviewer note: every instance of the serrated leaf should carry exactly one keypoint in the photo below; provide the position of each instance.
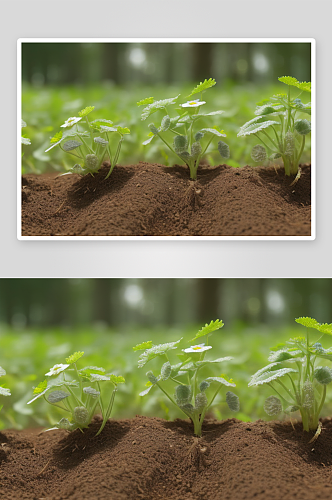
(232, 401)
(4, 391)
(290, 80)
(74, 357)
(91, 392)
(208, 328)
(86, 111)
(101, 121)
(123, 130)
(57, 137)
(222, 381)
(212, 113)
(312, 323)
(254, 128)
(143, 346)
(70, 145)
(153, 107)
(95, 377)
(104, 128)
(117, 379)
(219, 360)
(40, 387)
(207, 84)
(283, 355)
(269, 376)
(223, 149)
(268, 109)
(213, 131)
(156, 350)
(144, 102)
(56, 396)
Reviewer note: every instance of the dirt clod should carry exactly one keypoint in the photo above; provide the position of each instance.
(153, 200)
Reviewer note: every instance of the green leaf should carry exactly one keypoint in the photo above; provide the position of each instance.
(269, 376)
(222, 380)
(143, 346)
(2, 371)
(153, 107)
(101, 141)
(74, 357)
(23, 124)
(89, 370)
(323, 375)
(283, 355)
(272, 406)
(290, 80)
(146, 391)
(302, 127)
(70, 145)
(208, 328)
(156, 350)
(255, 127)
(101, 122)
(40, 387)
(232, 401)
(213, 131)
(86, 111)
(165, 124)
(123, 130)
(223, 149)
(207, 84)
(201, 401)
(183, 394)
(117, 379)
(207, 361)
(91, 392)
(57, 137)
(25, 141)
(204, 385)
(268, 109)
(166, 371)
(57, 396)
(312, 323)
(258, 153)
(145, 143)
(104, 128)
(95, 377)
(212, 113)
(144, 102)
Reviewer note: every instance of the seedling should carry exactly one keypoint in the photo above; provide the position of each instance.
(288, 134)
(3, 390)
(187, 136)
(91, 146)
(306, 390)
(78, 392)
(190, 394)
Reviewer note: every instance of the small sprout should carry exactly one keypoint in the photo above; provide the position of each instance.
(191, 397)
(93, 146)
(186, 146)
(82, 401)
(284, 138)
(306, 389)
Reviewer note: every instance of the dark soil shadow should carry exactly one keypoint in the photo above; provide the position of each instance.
(88, 189)
(77, 446)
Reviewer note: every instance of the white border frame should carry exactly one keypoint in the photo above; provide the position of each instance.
(312, 41)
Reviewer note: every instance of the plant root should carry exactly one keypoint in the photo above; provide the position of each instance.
(298, 175)
(317, 433)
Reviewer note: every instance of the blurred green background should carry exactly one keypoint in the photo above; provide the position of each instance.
(42, 321)
(59, 79)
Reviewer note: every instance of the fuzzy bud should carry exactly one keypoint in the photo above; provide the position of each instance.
(81, 415)
(182, 394)
(91, 162)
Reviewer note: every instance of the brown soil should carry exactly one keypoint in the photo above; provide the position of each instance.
(152, 200)
(150, 458)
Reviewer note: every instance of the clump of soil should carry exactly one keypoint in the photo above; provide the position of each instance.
(150, 458)
(153, 200)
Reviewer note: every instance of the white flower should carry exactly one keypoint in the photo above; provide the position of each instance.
(193, 104)
(198, 348)
(71, 121)
(56, 370)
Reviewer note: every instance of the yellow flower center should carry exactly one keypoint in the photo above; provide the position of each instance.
(197, 348)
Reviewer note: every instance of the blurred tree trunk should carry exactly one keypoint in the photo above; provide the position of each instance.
(207, 300)
(202, 61)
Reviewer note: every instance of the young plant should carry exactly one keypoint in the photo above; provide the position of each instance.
(191, 396)
(306, 389)
(277, 127)
(3, 390)
(78, 392)
(187, 136)
(91, 146)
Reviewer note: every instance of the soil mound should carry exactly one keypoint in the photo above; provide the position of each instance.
(150, 458)
(153, 200)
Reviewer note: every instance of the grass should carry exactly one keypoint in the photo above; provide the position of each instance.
(27, 356)
(45, 109)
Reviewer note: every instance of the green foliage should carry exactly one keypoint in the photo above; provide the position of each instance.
(306, 390)
(188, 148)
(284, 138)
(94, 151)
(189, 396)
(80, 401)
(3, 390)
